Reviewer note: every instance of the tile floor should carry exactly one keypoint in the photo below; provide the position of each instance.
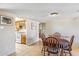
(34, 50)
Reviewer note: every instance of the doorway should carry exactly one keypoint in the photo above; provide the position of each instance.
(21, 31)
(42, 27)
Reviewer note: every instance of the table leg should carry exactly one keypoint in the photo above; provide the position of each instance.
(61, 52)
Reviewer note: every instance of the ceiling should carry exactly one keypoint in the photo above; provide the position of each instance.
(41, 11)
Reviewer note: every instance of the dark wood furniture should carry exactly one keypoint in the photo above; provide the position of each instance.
(67, 49)
(56, 35)
(52, 45)
(43, 37)
(61, 43)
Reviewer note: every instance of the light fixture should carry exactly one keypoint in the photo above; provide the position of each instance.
(18, 19)
(53, 14)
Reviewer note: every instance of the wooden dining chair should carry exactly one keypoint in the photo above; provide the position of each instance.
(52, 45)
(43, 37)
(56, 35)
(68, 48)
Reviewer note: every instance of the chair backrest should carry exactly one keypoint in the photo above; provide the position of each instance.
(52, 42)
(71, 41)
(39, 35)
(57, 35)
(43, 37)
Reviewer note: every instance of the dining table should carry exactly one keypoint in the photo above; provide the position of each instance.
(62, 42)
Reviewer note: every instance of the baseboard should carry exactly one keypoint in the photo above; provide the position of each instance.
(11, 54)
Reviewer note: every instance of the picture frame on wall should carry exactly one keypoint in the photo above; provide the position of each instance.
(6, 20)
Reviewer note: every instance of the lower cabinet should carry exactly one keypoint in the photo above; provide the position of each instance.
(23, 39)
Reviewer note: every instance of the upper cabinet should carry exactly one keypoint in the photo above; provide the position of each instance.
(20, 25)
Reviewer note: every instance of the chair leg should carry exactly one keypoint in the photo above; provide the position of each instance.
(65, 53)
(61, 52)
(42, 50)
(48, 53)
(57, 54)
(70, 53)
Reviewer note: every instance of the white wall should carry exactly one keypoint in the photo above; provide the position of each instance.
(66, 27)
(7, 37)
(32, 34)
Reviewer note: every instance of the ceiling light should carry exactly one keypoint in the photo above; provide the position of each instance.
(54, 14)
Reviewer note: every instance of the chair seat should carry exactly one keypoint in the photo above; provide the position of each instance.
(66, 46)
(53, 50)
(67, 49)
